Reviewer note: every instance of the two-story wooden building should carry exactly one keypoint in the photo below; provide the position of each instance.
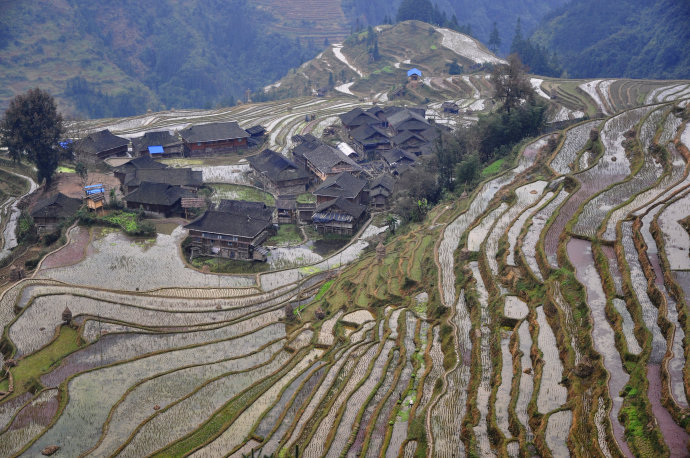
(234, 230)
(158, 198)
(157, 144)
(50, 212)
(214, 139)
(102, 145)
(278, 174)
(344, 185)
(338, 216)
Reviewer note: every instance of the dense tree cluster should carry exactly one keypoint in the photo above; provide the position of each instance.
(536, 57)
(32, 127)
(424, 10)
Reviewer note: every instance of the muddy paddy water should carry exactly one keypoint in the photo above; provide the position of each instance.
(580, 254)
(116, 261)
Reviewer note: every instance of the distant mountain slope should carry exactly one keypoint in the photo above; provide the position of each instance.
(478, 14)
(103, 58)
(621, 38)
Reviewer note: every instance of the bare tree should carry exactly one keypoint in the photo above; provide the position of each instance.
(511, 84)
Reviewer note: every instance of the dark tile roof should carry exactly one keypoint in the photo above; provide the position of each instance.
(358, 117)
(384, 181)
(255, 210)
(235, 218)
(286, 204)
(172, 176)
(363, 133)
(56, 206)
(354, 210)
(213, 132)
(141, 162)
(325, 157)
(396, 119)
(98, 142)
(256, 130)
(306, 146)
(342, 185)
(162, 138)
(406, 135)
(396, 155)
(276, 167)
(157, 194)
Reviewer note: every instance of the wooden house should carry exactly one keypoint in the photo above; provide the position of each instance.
(338, 216)
(278, 174)
(380, 191)
(50, 212)
(324, 161)
(345, 186)
(102, 145)
(157, 145)
(214, 139)
(358, 117)
(158, 198)
(139, 163)
(183, 177)
(235, 230)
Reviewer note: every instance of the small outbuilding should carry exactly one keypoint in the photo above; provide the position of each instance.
(414, 75)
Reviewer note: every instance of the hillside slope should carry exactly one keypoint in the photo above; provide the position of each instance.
(350, 68)
(620, 38)
(103, 58)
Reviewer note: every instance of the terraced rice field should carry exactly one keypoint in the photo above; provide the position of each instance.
(546, 315)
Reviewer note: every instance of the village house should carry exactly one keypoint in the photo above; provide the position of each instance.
(358, 117)
(324, 161)
(102, 145)
(139, 163)
(257, 136)
(408, 119)
(183, 177)
(214, 139)
(278, 174)
(450, 107)
(414, 74)
(235, 230)
(348, 151)
(396, 157)
(380, 191)
(157, 144)
(51, 211)
(338, 216)
(286, 210)
(158, 198)
(344, 185)
(369, 139)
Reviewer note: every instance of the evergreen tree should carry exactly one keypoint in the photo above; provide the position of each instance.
(420, 10)
(494, 39)
(32, 126)
(517, 38)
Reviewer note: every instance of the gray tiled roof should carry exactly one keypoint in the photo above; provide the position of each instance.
(213, 132)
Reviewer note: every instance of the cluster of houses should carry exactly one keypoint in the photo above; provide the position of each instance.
(330, 188)
(199, 140)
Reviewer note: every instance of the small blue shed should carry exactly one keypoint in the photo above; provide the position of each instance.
(414, 74)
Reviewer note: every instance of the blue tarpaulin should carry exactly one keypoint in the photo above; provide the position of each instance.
(94, 189)
(156, 149)
(414, 71)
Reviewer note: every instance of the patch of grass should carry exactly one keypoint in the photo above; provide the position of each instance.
(323, 290)
(230, 266)
(239, 192)
(493, 168)
(41, 362)
(306, 198)
(64, 169)
(433, 47)
(288, 234)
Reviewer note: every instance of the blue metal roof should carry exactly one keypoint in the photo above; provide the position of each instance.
(414, 71)
(156, 149)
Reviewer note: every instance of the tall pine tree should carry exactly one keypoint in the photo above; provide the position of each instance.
(494, 39)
